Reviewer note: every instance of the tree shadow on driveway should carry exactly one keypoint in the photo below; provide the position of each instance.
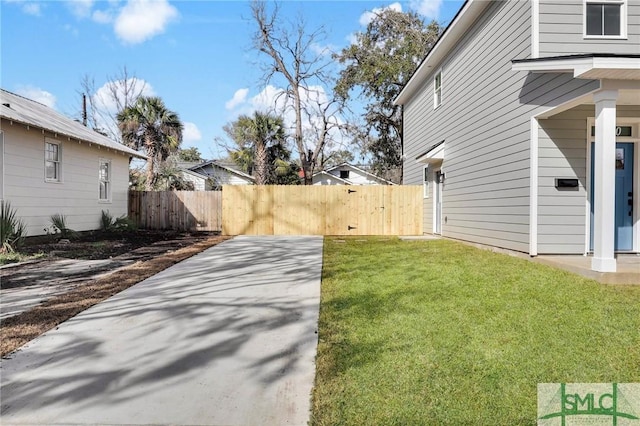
(234, 326)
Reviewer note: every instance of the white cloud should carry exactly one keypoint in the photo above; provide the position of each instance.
(191, 132)
(368, 16)
(325, 50)
(427, 8)
(81, 8)
(71, 29)
(238, 98)
(104, 96)
(141, 20)
(274, 100)
(105, 100)
(37, 94)
(28, 7)
(102, 16)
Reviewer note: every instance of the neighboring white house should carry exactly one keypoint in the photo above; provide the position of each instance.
(200, 182)
(347, 174)
(523, 125)
(51, 164)
(216, 174)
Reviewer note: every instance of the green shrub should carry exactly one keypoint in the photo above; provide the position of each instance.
(59, 227)
(106, 221)
(12, 229)
(110, 224)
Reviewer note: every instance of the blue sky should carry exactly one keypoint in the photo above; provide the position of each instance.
(194, 54)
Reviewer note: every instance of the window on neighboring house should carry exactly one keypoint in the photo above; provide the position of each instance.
(344, 174)
(425, 181)
(605, 18)
(104, 176)
(437, 90)
(52, 161)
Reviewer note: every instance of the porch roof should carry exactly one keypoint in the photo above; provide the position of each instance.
(434, 154)
(594, 66)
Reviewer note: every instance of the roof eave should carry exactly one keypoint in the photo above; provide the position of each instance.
(131, 153)
(587, 67)
(470, 11)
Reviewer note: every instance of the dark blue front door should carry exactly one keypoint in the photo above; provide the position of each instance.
(624, 196)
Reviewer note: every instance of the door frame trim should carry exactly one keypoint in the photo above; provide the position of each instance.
(437, 195)
(620, 121)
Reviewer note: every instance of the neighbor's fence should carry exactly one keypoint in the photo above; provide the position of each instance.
(177, 210)
(322, 210)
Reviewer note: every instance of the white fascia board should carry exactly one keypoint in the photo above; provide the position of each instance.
(578, 66)
(432, 156)
(453, 33)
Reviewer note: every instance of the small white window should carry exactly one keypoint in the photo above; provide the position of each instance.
(104, 176)
(605, 18)
(52, 161)
(425, 181)
(437, 90)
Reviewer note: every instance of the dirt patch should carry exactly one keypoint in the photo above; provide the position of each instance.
(146, 252)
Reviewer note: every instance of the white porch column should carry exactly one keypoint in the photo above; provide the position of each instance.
(604, 181)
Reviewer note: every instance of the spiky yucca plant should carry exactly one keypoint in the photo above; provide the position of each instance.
(12, 229)
(59, 224)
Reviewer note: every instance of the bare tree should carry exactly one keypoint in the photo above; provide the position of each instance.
(292, 54)
(104, 103)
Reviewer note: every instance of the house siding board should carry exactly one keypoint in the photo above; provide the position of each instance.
(427, 222)
(222, 176)
(76, 197)
(486, 131)
(561, 30)
(562, 154)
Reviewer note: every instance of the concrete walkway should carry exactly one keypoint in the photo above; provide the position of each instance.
(227, 337)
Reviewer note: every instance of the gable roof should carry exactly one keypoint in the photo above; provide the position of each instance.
(359, 170)
(330, 176)
(30, 113)
(222, 166)
(466, 16)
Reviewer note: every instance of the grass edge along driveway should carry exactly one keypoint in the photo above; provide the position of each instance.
(438, 332)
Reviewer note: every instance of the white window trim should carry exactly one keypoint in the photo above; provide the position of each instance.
(44, 165)
(109, 181)
(437, 105)
(425, 181)
(623, 20)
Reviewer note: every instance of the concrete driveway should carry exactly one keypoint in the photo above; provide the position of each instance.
(227, 337)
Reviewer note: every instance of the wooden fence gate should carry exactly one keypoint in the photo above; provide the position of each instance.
(322, 210)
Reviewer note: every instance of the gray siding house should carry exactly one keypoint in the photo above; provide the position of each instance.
(523, 125)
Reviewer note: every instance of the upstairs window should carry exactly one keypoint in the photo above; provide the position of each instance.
(104, 176)
(52, 161)
(344, 174)
(437, 90)
(605, 18)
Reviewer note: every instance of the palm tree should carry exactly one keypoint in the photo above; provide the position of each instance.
(256, 134)
(149, 126)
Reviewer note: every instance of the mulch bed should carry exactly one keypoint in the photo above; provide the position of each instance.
(22, 328)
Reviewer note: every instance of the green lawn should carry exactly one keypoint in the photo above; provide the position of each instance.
(437, 332)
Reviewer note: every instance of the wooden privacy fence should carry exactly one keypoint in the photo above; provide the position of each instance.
(322, 210)
(178, 210)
